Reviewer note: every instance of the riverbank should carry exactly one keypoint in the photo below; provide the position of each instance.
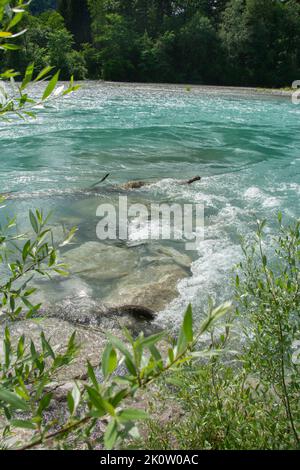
(198, 88)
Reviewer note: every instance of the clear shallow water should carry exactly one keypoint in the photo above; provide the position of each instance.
(246, 147)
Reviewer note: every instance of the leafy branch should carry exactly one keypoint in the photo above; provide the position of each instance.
(105, 400)
(22, 257)
(15, 99)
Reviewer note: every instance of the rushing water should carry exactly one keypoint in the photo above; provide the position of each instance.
(245, 146)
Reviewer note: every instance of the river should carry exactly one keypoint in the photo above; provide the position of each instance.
(245, 145)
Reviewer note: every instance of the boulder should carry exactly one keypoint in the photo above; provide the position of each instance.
(176, 256)
(85, 311)
(153, 287)
(96, 260)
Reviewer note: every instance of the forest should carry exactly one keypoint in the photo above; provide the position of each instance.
(215, 42)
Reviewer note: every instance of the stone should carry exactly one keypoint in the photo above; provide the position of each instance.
(153, 287)
(96, 260)
(88, 312)
(179, 258)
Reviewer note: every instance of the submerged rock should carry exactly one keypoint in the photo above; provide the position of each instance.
(59, 288)
(96, 260)
(176, 256)
(152, 287)
(142, 276)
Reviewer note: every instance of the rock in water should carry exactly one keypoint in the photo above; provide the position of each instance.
(96, 260)
(153, 287)
(85, 311)
(181, 259)
(137, 311)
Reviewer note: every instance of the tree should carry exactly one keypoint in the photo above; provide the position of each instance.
(48, 43)
(261, 42)
(116, 44)
(77, 19)
(199, 50)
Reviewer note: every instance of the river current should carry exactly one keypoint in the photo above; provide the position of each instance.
(244, 145)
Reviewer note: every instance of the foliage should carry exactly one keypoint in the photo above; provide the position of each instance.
(249, 398)
(269, 293)
(22, 258)
(221, 411)
(252, 42)
(48, 43)
(15, 99)
(235, 42)
(198, 42)
(261, 41)
(26, 375)
(116, 44)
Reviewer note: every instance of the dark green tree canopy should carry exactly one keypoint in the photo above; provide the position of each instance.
(230, 42)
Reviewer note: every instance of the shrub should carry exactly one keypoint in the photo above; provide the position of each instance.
(249, 398)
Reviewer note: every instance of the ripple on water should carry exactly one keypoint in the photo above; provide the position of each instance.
(245, 147)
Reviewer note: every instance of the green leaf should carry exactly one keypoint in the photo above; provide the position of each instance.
(188, 324)
(26, 250)
(118, 397)
(43, 73)
(44, 403)
(132, 414)
(72, 346)
(215, 315)
(52, 258)
(46, 346)
(61, 272)
(186, 331)
(122, 348)
(109, 360)
(28, 76)
(73, 399)
(22, 423)
(50, 87)
(9, 47)
(151, 340)
(33, 221)
(69, 236)
(98, 401)
(70, 402)
(171, 355)
(111, 434)
(20, 347)
(156, 356)
(13, 400)
(92, 375)
(15, 20)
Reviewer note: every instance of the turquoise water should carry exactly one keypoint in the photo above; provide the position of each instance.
(245, 146)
